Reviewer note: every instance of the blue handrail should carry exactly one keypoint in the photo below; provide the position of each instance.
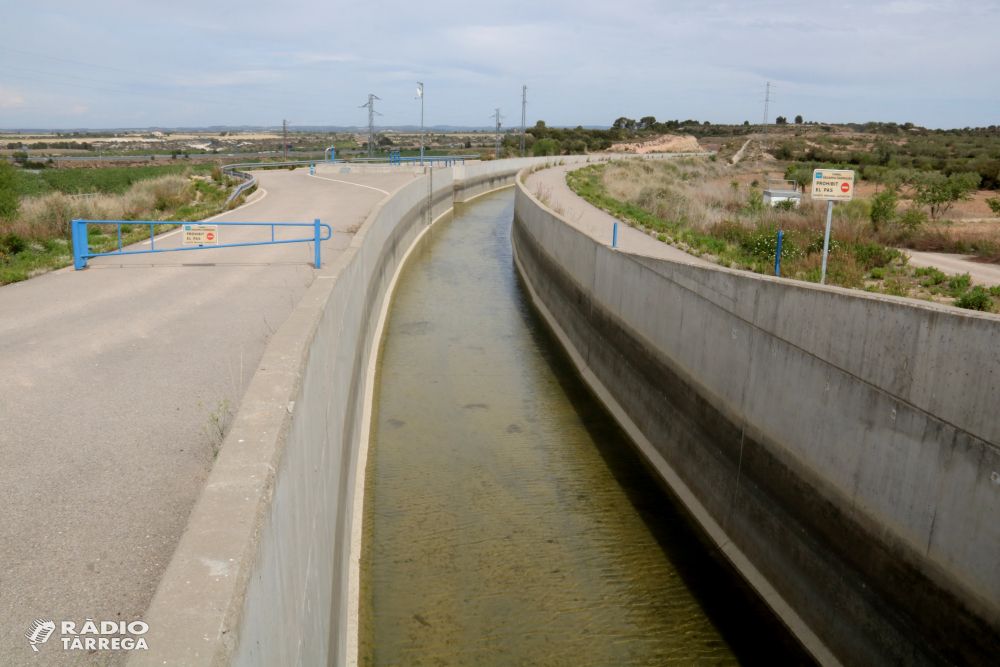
(81, 245)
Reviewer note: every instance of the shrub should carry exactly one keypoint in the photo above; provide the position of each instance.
(959, 284)
(545, 147)
(9, 201)
(878, 273)
(912, 219)
(995, 291)
(785, 205)
(976, 299)
(883, 208)
(874, 255)
(895, 287)
(755, 202)
(13, 244)
(932, 276)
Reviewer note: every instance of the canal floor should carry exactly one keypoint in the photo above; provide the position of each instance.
(508, 519)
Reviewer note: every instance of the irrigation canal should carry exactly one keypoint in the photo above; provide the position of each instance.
(508, 519)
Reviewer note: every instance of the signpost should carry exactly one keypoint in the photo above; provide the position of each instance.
(831, 185)
(201, 235)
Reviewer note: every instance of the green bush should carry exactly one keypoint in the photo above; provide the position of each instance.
(976, 299)
(933, 276)
(878, 274)
(895, 287)
(912, 219)
(995, 291)
(13, 244)
(959, 284)
(9, 201)
(883, 208)
(755, 202)
(872, 255)
(545, 147)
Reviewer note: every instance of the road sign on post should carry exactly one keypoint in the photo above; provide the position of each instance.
(831, 185)
(201, 235)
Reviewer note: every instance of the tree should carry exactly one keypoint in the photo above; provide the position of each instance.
(780, 120)
(9, 202)
(647, 122)
(798, 120)
(545, 147)
(939, 194)
(994, 205)
(883, 209)
(746, 122)
(468, 143)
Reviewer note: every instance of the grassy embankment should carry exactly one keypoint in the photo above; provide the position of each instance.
(683, 203)
(35, 236)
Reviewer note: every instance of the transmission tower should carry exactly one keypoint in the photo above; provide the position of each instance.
(496, 148)
(284, 142)
(767, 101)
(371, 122)
(524, 105)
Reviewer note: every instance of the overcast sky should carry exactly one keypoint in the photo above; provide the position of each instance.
(139, 63)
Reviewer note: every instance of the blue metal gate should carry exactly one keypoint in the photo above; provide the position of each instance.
(82, 252)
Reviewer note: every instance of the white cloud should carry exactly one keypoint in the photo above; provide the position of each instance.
(10, 99)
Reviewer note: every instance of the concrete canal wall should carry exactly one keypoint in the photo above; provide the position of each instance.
(839, 447)
(262, 574)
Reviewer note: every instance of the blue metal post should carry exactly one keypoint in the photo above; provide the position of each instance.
(614, 237)
(318, 263)
(312, 170)
(78, 231)
(777, 256)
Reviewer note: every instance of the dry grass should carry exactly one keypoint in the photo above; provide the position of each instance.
(49, 216)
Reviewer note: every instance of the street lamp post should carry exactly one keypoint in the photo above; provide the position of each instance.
(420, 96)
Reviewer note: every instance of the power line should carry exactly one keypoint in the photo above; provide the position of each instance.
(371, 122)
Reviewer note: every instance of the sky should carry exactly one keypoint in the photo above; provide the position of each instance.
(139, 63)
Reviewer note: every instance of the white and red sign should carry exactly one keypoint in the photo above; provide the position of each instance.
(201, 235)
(833, 184)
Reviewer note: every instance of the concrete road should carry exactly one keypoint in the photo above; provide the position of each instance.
(596, 223)
(982, 274)
(108, 379)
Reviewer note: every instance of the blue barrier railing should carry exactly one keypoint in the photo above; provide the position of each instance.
(395, 158)
(82, 252)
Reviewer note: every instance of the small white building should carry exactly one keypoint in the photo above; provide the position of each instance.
(779, 190)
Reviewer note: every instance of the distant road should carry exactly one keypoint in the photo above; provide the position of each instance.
(101, 377)
(982, 274)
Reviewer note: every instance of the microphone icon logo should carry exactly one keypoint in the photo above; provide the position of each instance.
(39, 632)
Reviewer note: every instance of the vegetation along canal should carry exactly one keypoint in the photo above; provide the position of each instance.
(508, 519)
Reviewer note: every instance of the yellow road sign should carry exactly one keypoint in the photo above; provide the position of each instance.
(833, 184)
(201, 235)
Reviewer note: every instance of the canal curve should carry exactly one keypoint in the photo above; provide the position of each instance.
(508, 520)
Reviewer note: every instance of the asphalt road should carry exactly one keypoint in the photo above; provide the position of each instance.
(982, 274)
(108, 378)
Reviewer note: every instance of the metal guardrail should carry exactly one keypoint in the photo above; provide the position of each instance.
(82, 252)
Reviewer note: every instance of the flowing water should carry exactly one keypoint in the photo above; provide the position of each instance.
(508, 519)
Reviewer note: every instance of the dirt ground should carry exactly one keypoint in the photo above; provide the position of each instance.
(668, 143)
(972, 214)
